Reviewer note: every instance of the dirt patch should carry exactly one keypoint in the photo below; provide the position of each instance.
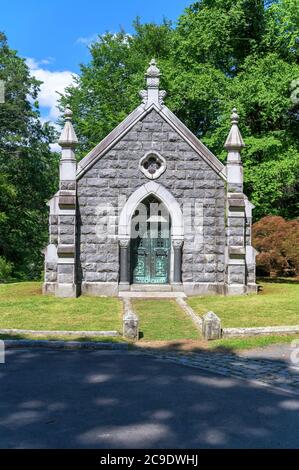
(185, 345)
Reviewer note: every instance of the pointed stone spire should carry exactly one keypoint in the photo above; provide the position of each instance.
(68, 141)
(68, 136)
(153, 94)
(234, 140)
(234, 144)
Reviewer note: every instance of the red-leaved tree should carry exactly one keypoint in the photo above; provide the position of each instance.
(277, 241)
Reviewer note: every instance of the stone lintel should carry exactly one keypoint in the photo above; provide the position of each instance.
(65, 250)
(237, 250)
(67, 201)
(236, 202)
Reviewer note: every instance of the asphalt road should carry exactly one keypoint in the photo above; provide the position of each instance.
(100, 399)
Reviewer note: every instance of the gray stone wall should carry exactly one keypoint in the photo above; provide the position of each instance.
(186, 176)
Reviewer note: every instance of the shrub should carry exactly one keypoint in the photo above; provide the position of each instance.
(277, 241)
(5, 269)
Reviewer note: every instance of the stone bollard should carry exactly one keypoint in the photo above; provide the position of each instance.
(130, 322)
(211, 326)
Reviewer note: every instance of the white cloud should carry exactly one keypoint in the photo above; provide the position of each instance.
(53, 84)
(87, 41)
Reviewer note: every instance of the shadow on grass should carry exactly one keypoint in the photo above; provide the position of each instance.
(182, 346)
(98, 339)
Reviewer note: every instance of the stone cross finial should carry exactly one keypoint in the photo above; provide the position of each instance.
(152, 94)
(68, 136)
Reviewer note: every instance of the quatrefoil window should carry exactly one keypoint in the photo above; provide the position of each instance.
(152, 165)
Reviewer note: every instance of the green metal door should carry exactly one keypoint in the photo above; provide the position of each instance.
(150, 260)
(151, 246)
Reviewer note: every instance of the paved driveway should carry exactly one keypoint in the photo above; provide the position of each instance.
(98, 399)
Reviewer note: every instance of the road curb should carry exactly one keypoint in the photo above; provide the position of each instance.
(69, 345)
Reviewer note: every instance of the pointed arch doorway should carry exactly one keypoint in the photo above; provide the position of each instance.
(155, 261)
(150, 243)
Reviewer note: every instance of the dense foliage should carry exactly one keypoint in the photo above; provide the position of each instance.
(277, 241)
(222, 53)
(27, 170)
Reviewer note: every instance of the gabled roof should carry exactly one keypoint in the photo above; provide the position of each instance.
(152, 100)
(137, 115)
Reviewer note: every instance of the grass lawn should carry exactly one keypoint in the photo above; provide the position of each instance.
(235, 344)
(162, 322)
(277, 304)
(22, 306)
(162, 319)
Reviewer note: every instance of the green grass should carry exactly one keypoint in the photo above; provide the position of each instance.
(22, 306)
(163, 320)
(277, 304)
(235, 344)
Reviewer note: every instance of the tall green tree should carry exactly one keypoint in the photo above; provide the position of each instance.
(221, 54)
(27, 167)
(107, 88)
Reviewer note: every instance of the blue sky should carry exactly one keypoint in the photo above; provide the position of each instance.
(53, 34)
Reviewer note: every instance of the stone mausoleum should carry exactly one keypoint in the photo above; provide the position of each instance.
(150, 208)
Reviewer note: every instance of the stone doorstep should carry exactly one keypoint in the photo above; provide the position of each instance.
(61, 333)
(151, 288)
(151, 295)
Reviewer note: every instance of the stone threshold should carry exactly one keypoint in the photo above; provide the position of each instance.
(60, 333)
(151, 295)
(156, 288)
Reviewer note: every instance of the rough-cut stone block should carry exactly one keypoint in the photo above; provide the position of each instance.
(211, 326)
(130, 322)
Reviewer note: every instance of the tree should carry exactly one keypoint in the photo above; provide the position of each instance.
(28, 169)
(220, 32)
(282, 30)
(277, 243)
(100, 103)
(223, 53)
